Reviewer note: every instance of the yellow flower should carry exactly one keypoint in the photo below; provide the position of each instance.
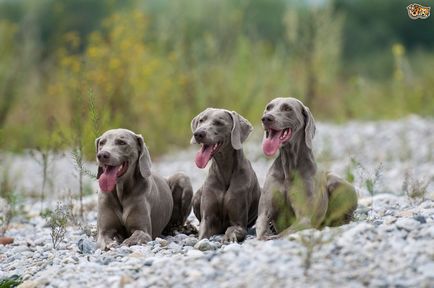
(398, 50)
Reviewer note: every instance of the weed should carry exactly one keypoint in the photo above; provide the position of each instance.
(415, 189)
(312, 241)
(349, 171)
(78, 136)
(45, 154)
(8, 201)
(367, 179)
(57, 221)
(9, 282)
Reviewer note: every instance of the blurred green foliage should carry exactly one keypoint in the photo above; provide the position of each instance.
(152, 65)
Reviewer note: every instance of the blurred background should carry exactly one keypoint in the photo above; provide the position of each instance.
(71, 69)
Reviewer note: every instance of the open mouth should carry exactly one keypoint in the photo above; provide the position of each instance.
(205, 153)
(273, 139)
(108, 178)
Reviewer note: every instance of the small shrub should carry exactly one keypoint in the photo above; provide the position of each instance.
(349, 171)
(57, 220)
(9, 282)
(312, 241)
(367, 179)
(415, 189)
(8, 201)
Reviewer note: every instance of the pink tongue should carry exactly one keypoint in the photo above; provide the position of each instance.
(271, 144)
(107, 180)
(203, 156)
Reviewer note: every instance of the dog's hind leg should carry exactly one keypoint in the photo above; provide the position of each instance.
(342, 201)
(182, 193)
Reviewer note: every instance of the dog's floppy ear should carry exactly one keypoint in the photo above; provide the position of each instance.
(240, 130)
(98, 174)
(193, 128)
(144, 161)
(309, 129)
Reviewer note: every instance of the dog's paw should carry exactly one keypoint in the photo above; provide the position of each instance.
(137, 238)
(105, 243)
(234, 234)
(112, 245)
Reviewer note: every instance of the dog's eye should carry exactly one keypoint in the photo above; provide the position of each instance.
(218, 123)
(102, 142)
(120, 142)
(286, 108)
(269, 107)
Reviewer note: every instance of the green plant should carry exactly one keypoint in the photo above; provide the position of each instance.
(45, 154)
(8, 201)
(12, 281)
(78, 136)
(368, 180)
(57, 221)
(349, 170)
(415, 189)
(312, 241)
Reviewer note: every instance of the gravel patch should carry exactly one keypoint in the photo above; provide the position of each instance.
(390, 243)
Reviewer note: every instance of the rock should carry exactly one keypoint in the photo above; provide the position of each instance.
(194, 253)
(162, 242)
(86, 246)
(377, 222)
(421, 219)
(427, 269)
(233, 247)
(104, 260)
(6, 240)
(149, 261)
(389, 220)
(407, 223)
(204, 245)
(190, 241)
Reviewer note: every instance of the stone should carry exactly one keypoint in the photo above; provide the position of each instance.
(162, 242)
(407, 223)
(204, 245)
(190, 241)
(6, 240)
(86, 246)
(194, 253)
(421, 219)
(427, 269)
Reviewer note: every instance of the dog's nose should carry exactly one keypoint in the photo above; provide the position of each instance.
(103, 155)
(199, 135)
(267, 119)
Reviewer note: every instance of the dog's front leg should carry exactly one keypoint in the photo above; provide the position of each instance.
(237, 209)
(138, 223)
(209, 226)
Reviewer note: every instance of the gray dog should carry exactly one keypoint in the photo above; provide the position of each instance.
(135, 205)
(228, 200)
(294, 196)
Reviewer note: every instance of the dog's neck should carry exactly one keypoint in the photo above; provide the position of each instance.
(225, 163)
(297, 158)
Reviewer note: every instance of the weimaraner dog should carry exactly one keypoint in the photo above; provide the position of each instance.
(135, 205)
(294, 196)
(228, 200)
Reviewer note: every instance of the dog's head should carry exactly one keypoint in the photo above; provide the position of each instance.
(286, 120)
(120, 153)
(215, 129)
